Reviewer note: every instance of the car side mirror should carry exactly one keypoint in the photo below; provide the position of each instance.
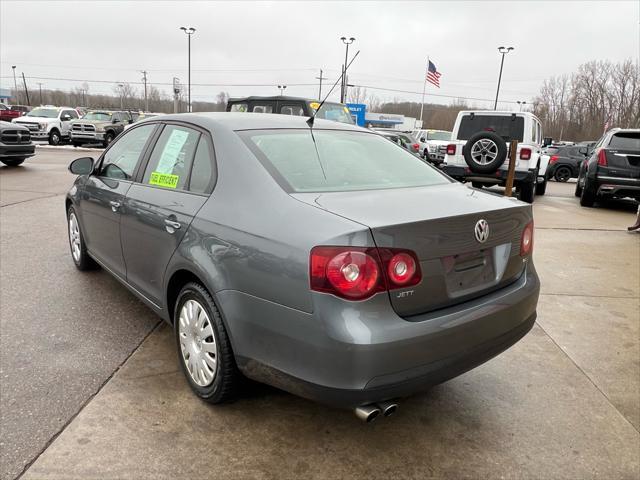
(583, 150)
(115, 120)
(81, 166)
(66, 118)
(423, 139)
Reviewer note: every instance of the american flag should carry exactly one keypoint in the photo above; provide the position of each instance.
(433, 75)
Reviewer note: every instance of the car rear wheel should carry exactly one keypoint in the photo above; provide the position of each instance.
(541, 187)
(12, 162)
(204, 349)
(79, 253)
(54, 137)
(588, 194)
(563, 174)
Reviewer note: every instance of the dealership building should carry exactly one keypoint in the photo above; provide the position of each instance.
(381, 120)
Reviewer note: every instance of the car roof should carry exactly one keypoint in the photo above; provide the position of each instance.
(254, 121)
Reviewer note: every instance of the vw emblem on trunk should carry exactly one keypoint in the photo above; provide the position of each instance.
(482, 231)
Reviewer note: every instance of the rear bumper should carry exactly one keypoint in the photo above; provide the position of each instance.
(499, 177)
(618, 186)
(354, 356)
(16, 151)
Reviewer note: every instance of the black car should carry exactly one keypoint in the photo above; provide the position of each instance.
(565, 162)
(15, 144)
(297, 106)
(613, 170)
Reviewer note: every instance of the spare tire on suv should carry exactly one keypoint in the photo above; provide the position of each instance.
(485, 152)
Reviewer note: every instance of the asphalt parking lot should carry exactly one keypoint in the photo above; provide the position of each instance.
(90, 386)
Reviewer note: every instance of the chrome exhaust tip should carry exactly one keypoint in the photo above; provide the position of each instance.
(388, 408)
(367, 413)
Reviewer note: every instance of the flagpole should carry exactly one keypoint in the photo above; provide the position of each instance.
(424, 89)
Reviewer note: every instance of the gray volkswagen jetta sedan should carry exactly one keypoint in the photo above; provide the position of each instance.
(325, 261)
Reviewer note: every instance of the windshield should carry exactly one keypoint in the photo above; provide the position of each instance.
(43, 113)
(345, 161)
(446, 136)
(335, 112)
(507, 126)
(100, 116)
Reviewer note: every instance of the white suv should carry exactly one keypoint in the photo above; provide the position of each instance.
(49, 123)
(479, 151)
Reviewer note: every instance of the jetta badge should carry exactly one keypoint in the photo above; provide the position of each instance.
(482, 231)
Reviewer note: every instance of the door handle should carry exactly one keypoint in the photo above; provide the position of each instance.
(171, 226)
(115, 206)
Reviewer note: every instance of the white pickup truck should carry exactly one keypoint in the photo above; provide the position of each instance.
(49, 123)
(479, 151)
(432, 144)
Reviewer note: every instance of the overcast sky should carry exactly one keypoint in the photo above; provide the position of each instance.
(266, 43)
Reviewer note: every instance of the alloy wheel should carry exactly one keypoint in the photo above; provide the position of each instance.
(197, 343)
(484, 151)
(74, 237)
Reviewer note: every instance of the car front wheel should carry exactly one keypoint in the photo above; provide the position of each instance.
(54, 137)
(204, 349)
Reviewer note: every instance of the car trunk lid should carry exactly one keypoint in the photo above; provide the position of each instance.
(438, 224)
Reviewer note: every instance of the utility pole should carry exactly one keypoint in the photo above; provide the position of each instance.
(26, 92)
(320, 88)
(15, 84)
(146, 101)
(40, 87)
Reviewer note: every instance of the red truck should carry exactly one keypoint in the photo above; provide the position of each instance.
(9, 113)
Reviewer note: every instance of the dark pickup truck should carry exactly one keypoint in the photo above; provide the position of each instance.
(613, 170)
(15, 144)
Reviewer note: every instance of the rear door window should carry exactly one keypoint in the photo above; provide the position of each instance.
(170, 161)
(507, 126)
(239, 107)
(296, 110)
(262, 108)
(202, 173)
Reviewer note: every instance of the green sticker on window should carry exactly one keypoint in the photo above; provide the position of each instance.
(164, 179)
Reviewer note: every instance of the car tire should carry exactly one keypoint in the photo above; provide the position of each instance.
(562, 174)
(578, 190)
(477, 184)
(79, 254)
(526, 191)
(191, 340)
(77, 144)
(12, 162)
(588, 194)
(482, 145)
(54, 137)
(541, 187)
(108, 138)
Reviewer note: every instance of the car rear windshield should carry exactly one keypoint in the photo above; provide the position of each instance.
(446, 136)
(344, 161)
(43, 113)
(626, 141)
(335, 112)
(507, 126)
(99, 116)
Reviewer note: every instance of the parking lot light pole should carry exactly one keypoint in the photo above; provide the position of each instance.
(121, 87)
(521, 104)
(189, 31)
(282, 87)
(343, 90)
(503, 51)
(15, 84)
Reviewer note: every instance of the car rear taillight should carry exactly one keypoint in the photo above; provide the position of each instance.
(553, 159)
(525, 154)
(451, 149)
(357, 273)
(526, 241)
(602, 158)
